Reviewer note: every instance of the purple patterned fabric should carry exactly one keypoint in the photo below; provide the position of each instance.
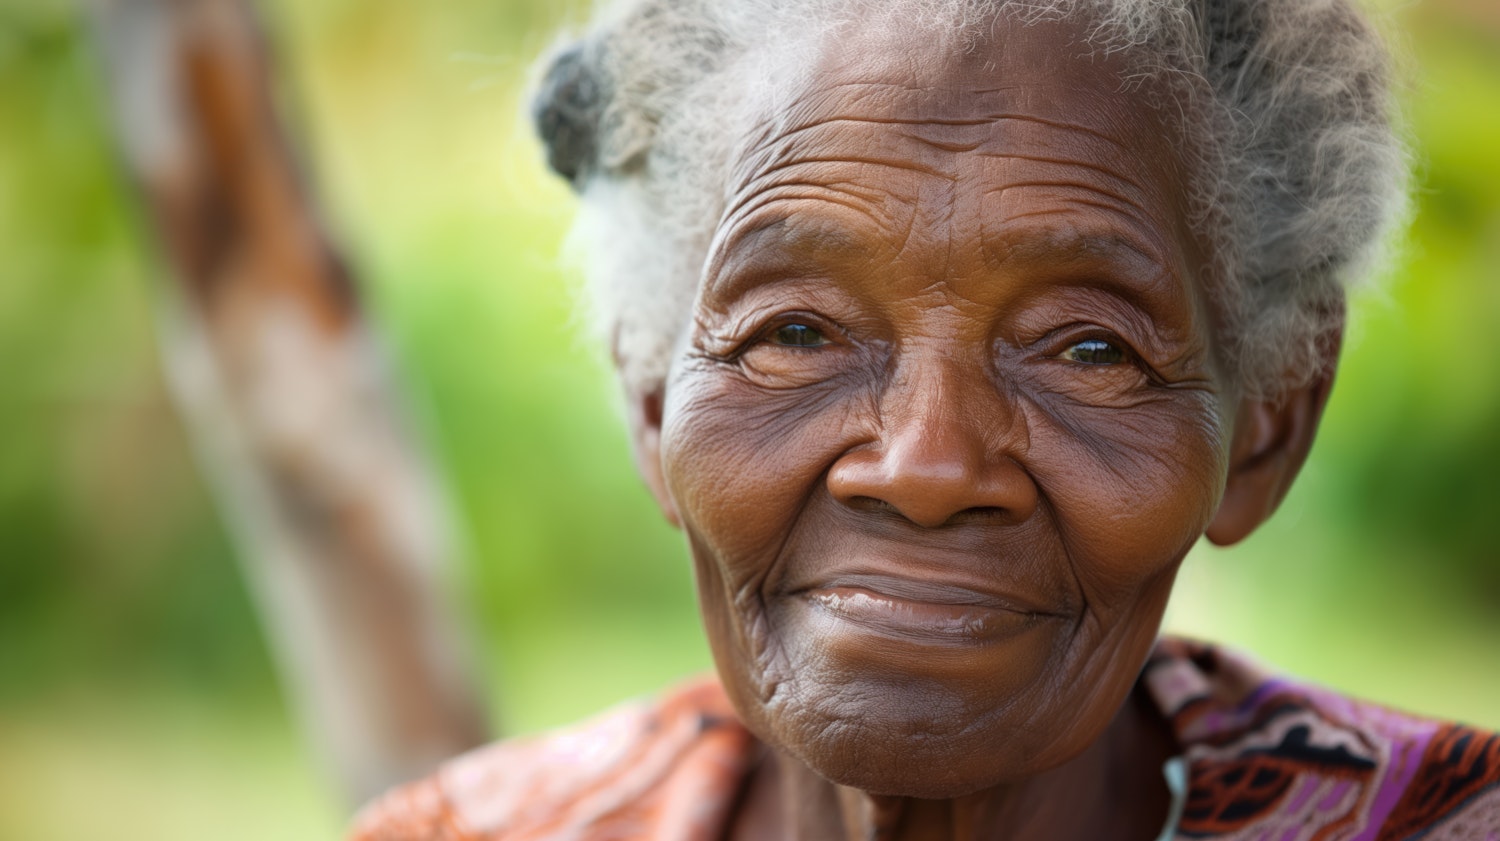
(1274, 760)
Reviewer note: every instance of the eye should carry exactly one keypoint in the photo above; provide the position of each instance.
(797, 335)
(1094, 352)
(795, 350)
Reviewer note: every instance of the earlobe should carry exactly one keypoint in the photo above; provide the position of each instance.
(645, 435)
(1271, 442)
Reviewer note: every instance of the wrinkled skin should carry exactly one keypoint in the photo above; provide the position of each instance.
(948, 418)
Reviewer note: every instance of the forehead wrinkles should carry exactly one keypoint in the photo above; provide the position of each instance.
(1044, 150)
(878, 147)
(902, 72)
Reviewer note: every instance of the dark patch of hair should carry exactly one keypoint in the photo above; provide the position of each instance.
(567, 110)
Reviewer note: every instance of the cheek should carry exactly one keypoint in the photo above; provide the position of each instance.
(742, 462)
(1134, 492)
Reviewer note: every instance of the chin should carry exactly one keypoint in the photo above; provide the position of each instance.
(908, 738)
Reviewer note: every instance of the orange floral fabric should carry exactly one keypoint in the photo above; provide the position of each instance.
(669, 771)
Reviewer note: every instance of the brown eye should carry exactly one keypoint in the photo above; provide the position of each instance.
(1094, 352)
(798, 335)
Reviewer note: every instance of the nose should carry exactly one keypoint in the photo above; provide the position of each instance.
(946, 452)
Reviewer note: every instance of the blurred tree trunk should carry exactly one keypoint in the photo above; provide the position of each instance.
(342, 524)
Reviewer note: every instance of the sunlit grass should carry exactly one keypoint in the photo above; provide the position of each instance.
(156, 767)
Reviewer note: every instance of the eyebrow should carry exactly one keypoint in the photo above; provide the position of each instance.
(1111, 260)
(822, 241)
(1045, 241)
(784, 247)
(796, 245)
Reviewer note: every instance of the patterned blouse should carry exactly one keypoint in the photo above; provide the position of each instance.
(1266, 759)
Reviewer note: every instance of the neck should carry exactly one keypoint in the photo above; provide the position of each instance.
(1114, 789)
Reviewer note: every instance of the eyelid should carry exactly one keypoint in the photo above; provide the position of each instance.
(832, 333)
(730, 337)
(1059, 340)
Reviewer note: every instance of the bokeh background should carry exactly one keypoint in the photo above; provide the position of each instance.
(137, 698)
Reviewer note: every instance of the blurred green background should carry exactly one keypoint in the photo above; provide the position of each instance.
(137, 700)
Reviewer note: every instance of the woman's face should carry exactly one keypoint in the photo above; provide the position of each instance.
(948, 417)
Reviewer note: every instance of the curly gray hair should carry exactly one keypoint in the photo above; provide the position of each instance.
(1298, 172)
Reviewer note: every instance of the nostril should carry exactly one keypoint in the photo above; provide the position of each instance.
(978, 514)
(871, 504)
(975, 515)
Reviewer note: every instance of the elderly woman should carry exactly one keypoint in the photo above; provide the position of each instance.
(946, 328)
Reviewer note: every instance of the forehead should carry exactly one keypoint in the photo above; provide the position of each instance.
(1042, 82)
(1022, 139)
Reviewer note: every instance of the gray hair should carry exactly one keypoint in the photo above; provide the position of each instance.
(1299, 174)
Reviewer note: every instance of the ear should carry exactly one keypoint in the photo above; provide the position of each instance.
(645, 436)
(1271, 441)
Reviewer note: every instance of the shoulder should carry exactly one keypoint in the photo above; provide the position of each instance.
(666, 768)
(1270, 755)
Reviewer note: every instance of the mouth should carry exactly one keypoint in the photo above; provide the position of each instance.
(922, 610)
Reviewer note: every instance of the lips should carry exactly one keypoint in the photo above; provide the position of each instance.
(922, 609)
